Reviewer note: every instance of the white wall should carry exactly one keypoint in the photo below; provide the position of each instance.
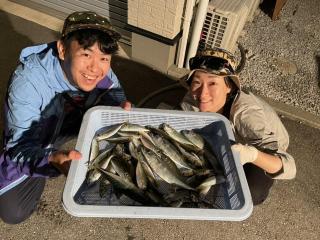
(162, 17)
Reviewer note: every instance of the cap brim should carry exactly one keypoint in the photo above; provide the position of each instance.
(113, 34)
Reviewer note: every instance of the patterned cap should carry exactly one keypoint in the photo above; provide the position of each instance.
(88, 20)
(220, 54)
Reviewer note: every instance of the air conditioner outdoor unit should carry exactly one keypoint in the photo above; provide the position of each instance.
(224, 22)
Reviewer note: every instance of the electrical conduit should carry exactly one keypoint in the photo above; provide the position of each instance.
(196, 33)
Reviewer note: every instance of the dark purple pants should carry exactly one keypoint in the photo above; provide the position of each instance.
(17, 204)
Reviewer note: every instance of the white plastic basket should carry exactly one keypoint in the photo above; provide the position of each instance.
(236, 194)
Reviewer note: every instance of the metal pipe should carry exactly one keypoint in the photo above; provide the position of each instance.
(185, 33)
(196, 33)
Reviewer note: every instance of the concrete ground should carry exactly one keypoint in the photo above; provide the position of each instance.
(291, 211)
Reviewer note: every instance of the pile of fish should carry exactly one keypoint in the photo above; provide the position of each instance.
(154, 166)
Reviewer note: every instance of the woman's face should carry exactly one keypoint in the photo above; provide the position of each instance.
(210, 91)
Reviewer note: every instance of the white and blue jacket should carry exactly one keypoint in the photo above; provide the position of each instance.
(38, 96)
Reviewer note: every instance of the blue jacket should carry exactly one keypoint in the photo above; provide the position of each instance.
(39, 98)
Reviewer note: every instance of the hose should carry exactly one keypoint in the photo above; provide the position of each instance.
(243, 59)
(161, 90)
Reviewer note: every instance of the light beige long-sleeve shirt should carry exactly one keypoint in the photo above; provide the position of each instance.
(255, 123)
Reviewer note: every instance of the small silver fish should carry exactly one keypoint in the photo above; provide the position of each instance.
(94, 174)
(127, 188)
(99, 158)
(164, 168)
(142, 180)
(171, 151)
(131, 127)
(205, 186)
(120, 139)
(120, 166)
(94, 152)
(192, 158)
(178, 137)
(194, 138)
(109, 133)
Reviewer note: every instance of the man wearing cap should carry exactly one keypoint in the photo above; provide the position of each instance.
(261, 138)
(48, 93)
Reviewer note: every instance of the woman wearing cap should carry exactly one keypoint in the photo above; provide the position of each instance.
(261, 138)
(49, 92)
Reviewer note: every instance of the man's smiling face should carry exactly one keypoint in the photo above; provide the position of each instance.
(84, 68)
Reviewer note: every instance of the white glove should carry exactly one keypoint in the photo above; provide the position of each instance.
(248, 154)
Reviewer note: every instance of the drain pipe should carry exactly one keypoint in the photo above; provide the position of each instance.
(196, 33)
(185, 33)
